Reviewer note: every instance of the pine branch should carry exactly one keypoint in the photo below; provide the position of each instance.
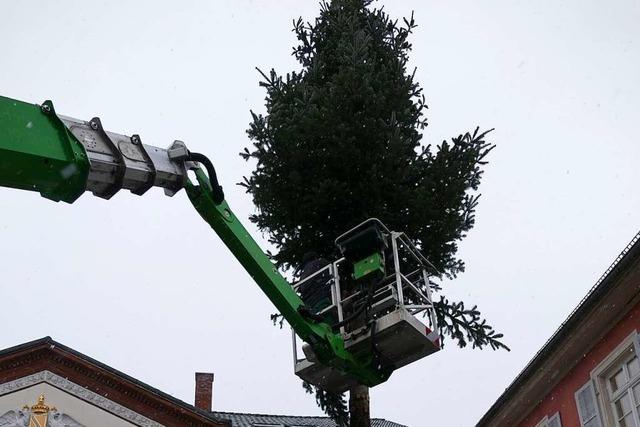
(466, 326)
(334, 404)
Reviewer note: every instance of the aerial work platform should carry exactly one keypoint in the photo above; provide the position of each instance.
(360, 317)
(397, 325)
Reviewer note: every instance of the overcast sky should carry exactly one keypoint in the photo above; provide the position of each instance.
(143, 285)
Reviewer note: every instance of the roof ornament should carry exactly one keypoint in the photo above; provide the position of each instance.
(40, 407)
(40, 413)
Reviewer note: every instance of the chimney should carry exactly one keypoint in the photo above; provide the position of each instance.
(204, 390)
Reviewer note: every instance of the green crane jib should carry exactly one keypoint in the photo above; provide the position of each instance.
(62, 157)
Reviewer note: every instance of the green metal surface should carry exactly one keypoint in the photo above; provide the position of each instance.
(372, 264)
(328, 345)
(38, 153)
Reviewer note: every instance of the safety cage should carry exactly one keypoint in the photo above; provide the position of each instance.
(397, 305)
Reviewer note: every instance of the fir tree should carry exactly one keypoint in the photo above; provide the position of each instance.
(341, 142)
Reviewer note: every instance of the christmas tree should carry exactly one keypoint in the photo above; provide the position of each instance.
(341, 141)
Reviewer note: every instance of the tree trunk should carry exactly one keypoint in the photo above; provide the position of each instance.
(359, 406)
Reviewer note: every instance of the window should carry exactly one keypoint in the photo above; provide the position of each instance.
(623, 390)
(588, 406)
(553, 421)
(616, 386)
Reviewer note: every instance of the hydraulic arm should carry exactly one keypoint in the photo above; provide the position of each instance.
(62, 157)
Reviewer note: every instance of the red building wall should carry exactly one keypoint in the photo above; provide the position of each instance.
(561, 398)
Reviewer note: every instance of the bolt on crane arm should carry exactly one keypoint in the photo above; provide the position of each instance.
(61, 158)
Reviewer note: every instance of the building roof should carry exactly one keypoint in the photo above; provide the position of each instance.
(48, 354)
(251, 420)
(45, 354)
(537, 370)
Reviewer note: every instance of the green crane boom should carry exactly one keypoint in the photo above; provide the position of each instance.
(61, 158)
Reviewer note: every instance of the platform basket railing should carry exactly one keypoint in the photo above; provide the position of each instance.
(405, 286)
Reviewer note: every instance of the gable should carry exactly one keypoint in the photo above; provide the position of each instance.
(89, 389)
(71, 400)
(38, 415)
